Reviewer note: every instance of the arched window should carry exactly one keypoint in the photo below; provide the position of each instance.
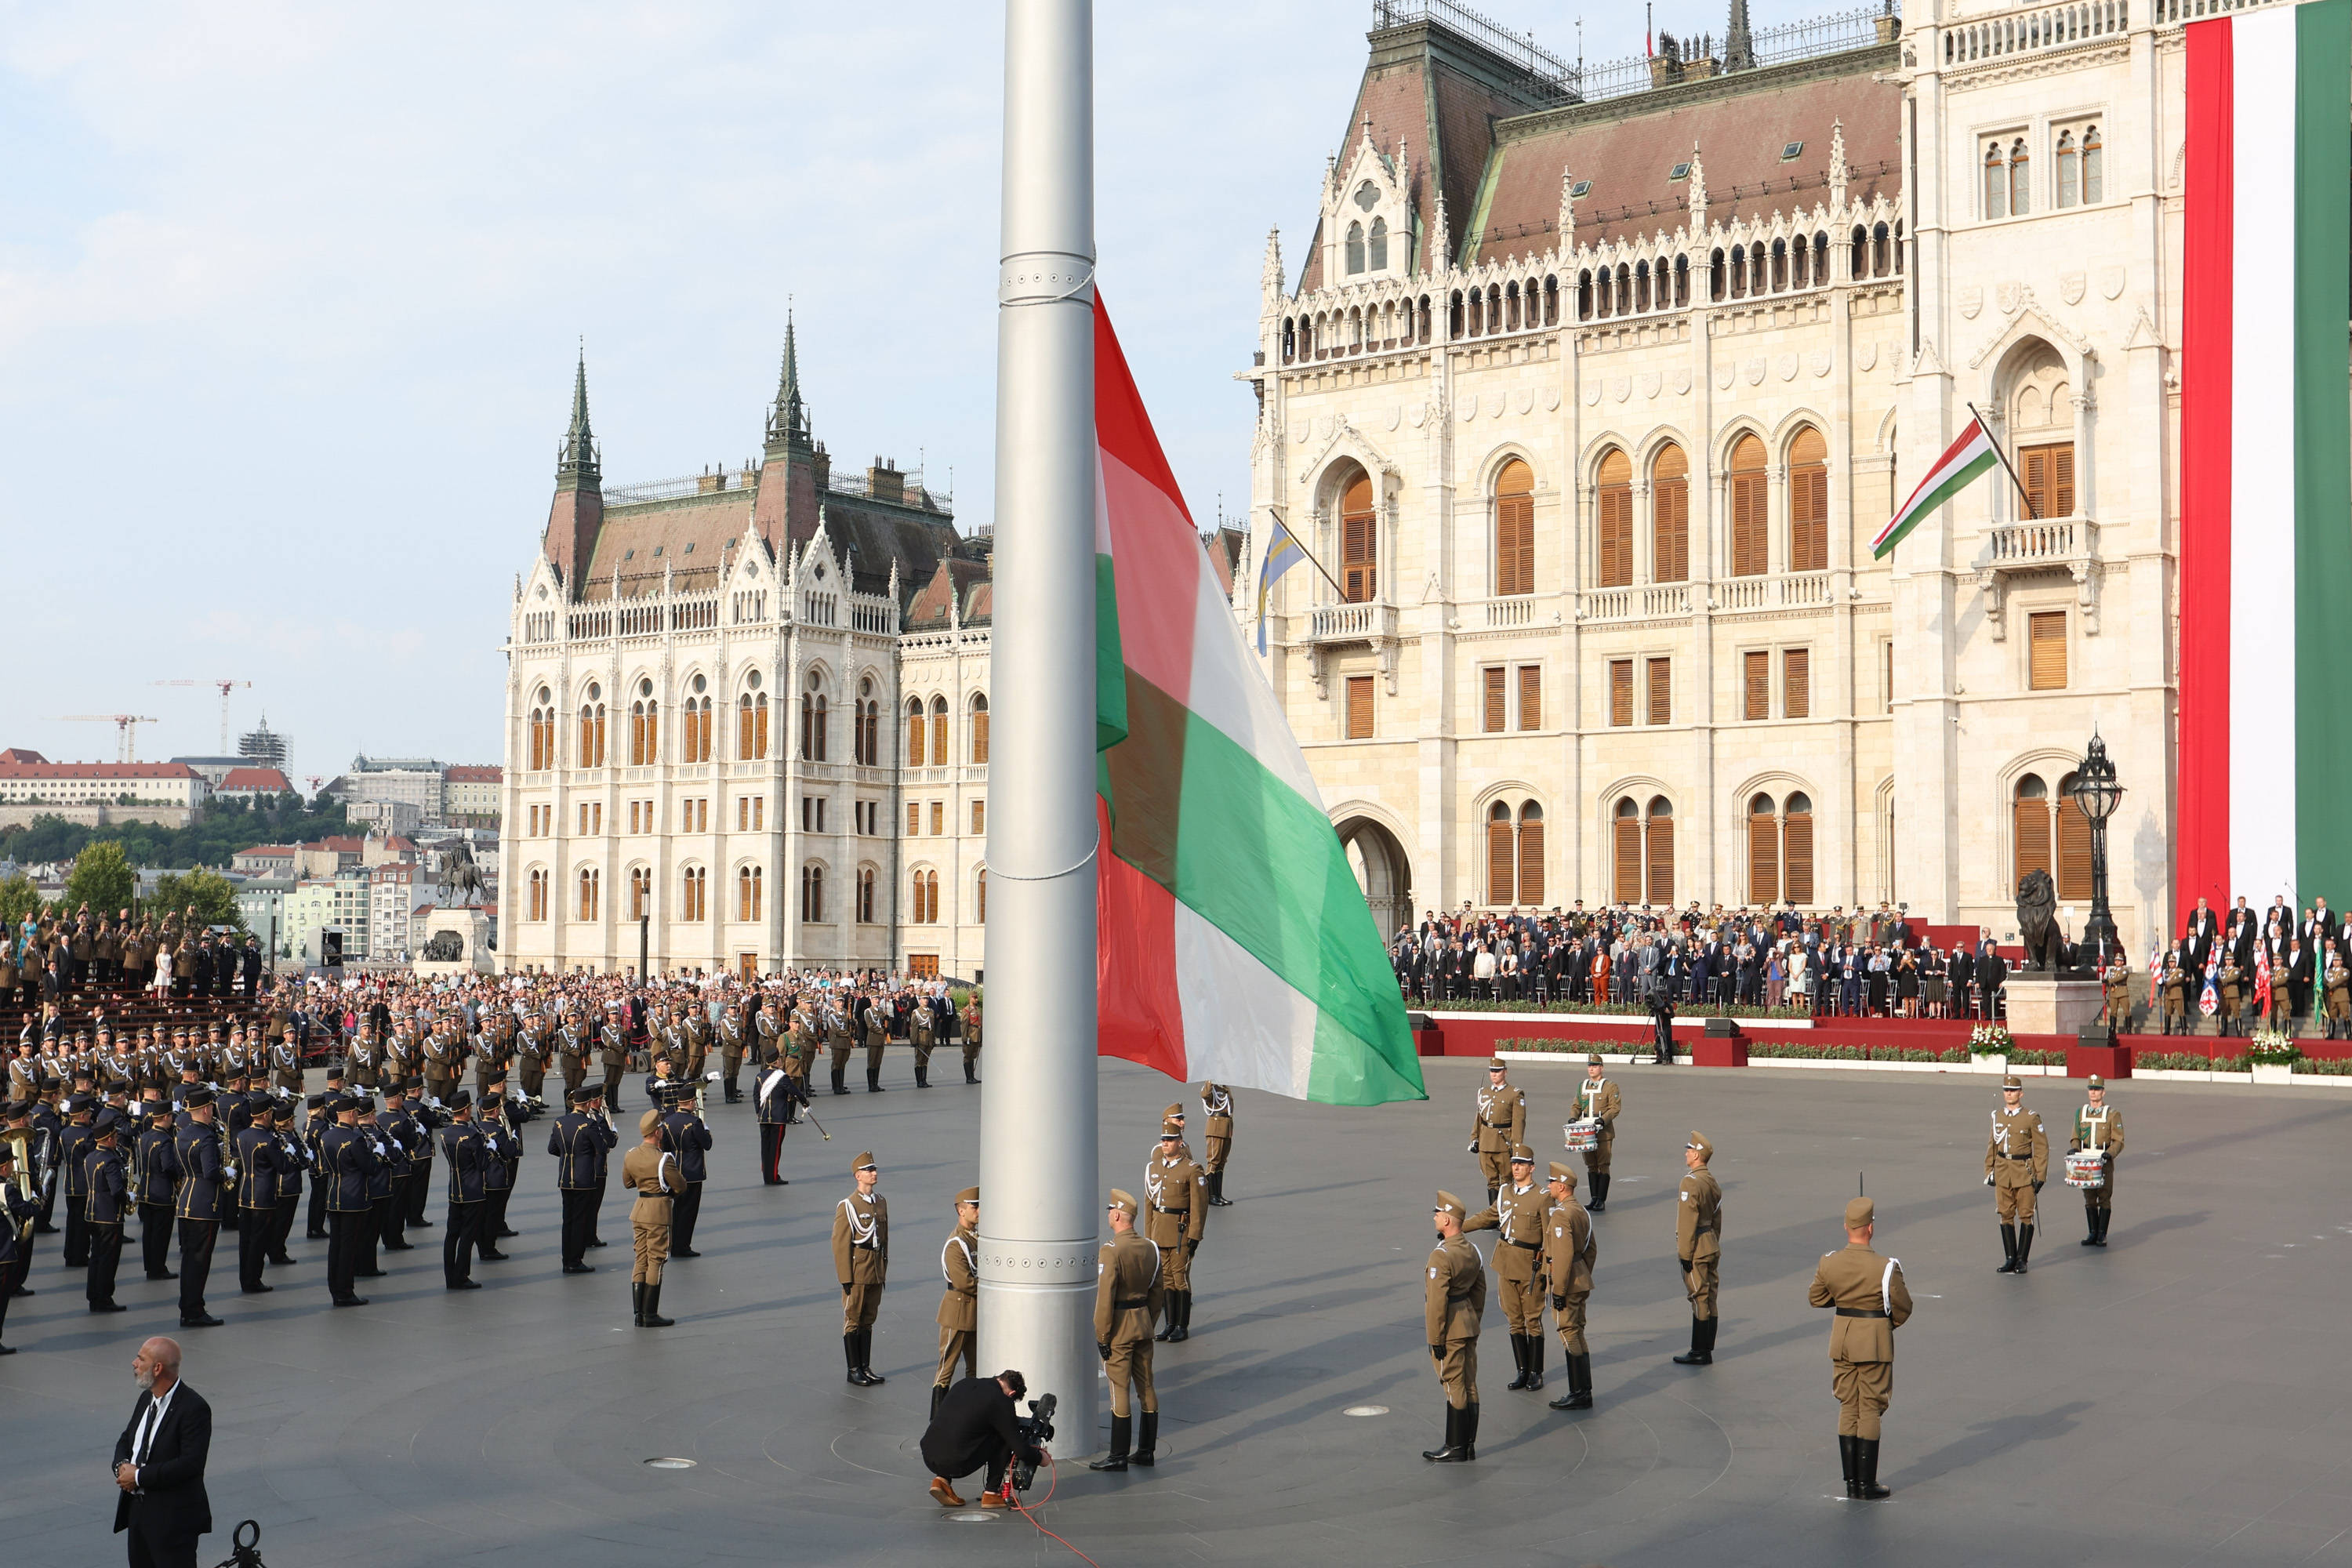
(641, 893)
(2070, 170)
(645, 727)
(1502, 860)
(1779, 264)
(939, 732)
(1797, 278)
(1881, 262)
(1532, 854)
(1821, 257)
(1670, 515)
(1738, 271)
(2093, 168)
(865, 895)
(916, 731)
(2073, 869)
(588, 890)
(1716, 280)
(1454, 314)
(2029, 812)
(870, 725)
(1551, 302)
(1584, 295)
(1421, 316)
(752, 723)
(1642, 285)
(1613, 510)
(979, 897)
(536, 907)
(1996, 183)
(1859, 264)
(1380, 244)
(2020, 184)
(1626, 839)
(1750, 554)
(1763, 851)
(694, 894)
(542, 732)
(1658, 848)
(1360, 544)
(1515, 529)
(1808, 502)
(1796, 849)
(926, 897)
(813, 723)
(698, 720)
(979, 729)
(592, 729)
(1355, 248)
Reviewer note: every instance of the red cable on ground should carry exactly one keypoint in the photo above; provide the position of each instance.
(1053, 1475)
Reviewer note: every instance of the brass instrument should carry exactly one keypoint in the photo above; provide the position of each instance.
(27, 1186)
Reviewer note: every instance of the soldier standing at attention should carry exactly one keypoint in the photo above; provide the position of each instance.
(466, 1156)
(1453, 1301)
(571, 1047)
(107, 1196)
(616, 1054)
(918, 1033)
(1871, 1302)
(971, 1039)
(684, 1135)
(1177, 1193)
(1127, 1300)
(1597, 1099)
(2099, 1126)
(1517, 1216)
(861, 1260)
(651, 1172)
(1501, 1123)
(730, 1053)
(2119, 1005)
(1570, 1250)
(841, 1039)
(772, 1103)
(2017, 1161)
(1219, 1102)
(580, 1141)
(1698, 1241)
(960, 1306)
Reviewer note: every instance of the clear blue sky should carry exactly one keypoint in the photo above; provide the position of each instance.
(289, 296)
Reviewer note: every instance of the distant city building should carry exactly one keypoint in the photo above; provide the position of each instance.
(341, 901)
(414, 780)
(395, 887)
(26, 776)
(383, 816)
(214, 769)
(252, 784)
(263, 746)
(266, 860)
(469, 795)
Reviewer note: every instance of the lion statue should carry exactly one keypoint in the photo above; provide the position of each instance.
(2037, 908)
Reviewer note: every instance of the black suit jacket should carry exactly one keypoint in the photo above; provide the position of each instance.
(171, 1503)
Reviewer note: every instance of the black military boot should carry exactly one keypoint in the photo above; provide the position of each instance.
(1851, 1462)
(654, 1320)
(1518, 1362)
(939, 1391)
(2090, 1226)
(1117, 1458)
(2025, 1246)
(922, 1074)
(1599, 1193)
(1217, 1199)
(1183, 1328)
(849, 1355)
(866, 1372)
(1147, 1440)
(1450, 1451)
(872, 1081)
(1866, 1477)
(2008, 1251)
(1580, 1381)
(1535, 1360)
(1169, 1304)
(970, 1076)
(637, 1303)
(2106, 1217)
(1702, 1350)
(1469, 1435)
(840, 1077)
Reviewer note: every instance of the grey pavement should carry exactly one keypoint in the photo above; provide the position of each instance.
(2181, 1398)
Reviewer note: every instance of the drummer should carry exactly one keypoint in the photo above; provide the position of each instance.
(2099, 1130)
(1597, 1100)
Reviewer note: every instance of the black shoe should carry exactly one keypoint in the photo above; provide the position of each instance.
(2025, 1246)
(579, 1268)
(654, 1320)
(256, 1289)
(28, 1290)
(315, 1235)
(592, 1241)
(1116, 1460)
(2008, 1251)
(1450, 1451)
(462, 1285)
(284, 1262)
(111, 1307)
(1702, 1350)
(206, 1321)
(368, 1274)
(1849, 1462)
(506, 1235)
(166, 1274)
(488, 1257)
(400, 1246)
(1148, 1439)
(1519, 1363)
(684, 1252)
(353, 1301)
(1865, 1477)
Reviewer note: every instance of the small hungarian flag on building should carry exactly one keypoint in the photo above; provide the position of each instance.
(1962, 461)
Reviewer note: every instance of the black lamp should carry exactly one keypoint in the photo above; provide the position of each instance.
(2097, 794)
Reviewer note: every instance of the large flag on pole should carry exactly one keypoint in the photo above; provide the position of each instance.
(2265, 725)
(1967, 457)
(1235, 942)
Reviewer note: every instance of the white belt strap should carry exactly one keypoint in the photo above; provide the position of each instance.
(1885, 1298)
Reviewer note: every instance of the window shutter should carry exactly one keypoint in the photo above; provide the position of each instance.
(1756, 686)
(1671, 504)
(1749, 554)
(1628, 860)
(1530, 697)
(980, 736)
(1496, 699)
(1531, 862)
(1616, 506)
(2074, 850)
(1809, 517)
(2032, 830)
(2047, 642)
(2036, 462)
(1501, 890)
(1797, 853)
(1661, 831)
(1621, 691)
(1795, 683)
(1763, 858)
(1515, 529)
(1359, 708)
(2062, 479)
(1662, 691)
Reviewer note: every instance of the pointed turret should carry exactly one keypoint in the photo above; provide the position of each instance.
(788, 420)
(1698, 192)
(1838, 170)
(1270, 276)
(791, 476)
(1738, 44)
(578, 511)
(575, 463)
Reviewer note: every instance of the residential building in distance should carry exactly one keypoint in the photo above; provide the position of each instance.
(252, 784)
(383, 817)
(469, 795)
(413, 781)
(395, 889)
(29, 778)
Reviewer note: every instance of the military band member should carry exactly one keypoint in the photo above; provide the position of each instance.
(202, 1175)
(1569, 1252)
(774, 1109)
(1871, 1302)
(532, 1044)
(582, 1140)
(502, 1163)
(157, 1163)
(861, 1260)
(1698, 1242)
(1500, 1123)
(404, 1140)
(684, 1135)
(1177, 1216)
(1597, 1100)
(365, 1053)
(971, 1039)
(1454, 1301)
(17, 1216)
(572, 1044)
(462, 1149)
(959, 1303)
(107, 1193)
(1217, 1139)
(2099, 1126)
(258, 1159)
(73, 1155)
(2017, 1161)
(652, 1173)
(286, 1065)
(444, 1059)
(1126, 1292)
(347, 1155)
(1517, 1216)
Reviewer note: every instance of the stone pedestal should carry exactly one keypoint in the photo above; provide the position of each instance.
(2050, 1005)
(463, 935)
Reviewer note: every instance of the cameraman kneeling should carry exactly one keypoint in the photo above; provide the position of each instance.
(974, 1426)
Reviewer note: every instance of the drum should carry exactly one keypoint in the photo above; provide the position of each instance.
(1584, 1136)
(2086, 1168)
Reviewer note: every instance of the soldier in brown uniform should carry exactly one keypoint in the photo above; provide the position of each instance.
(1871, 1302)
(2017, 1161)
(1517, 1216)
(1453, 1301)
(1176, 1194)
(875, 1016)
(1597, 1100)
(615, 1058)
(1698, 1243)
(2228, 984)
(2175, 994)
(1218, 1138)
(841, 1038)
(1127, 1300)
(730, 1052)
(861, 1260)
(2099, 1126)
(1569, 1252)
(971, 1039)
(2118, 1004)
(919, 1034)
(959, 1305)
(1500, 1122)
(653, 1174)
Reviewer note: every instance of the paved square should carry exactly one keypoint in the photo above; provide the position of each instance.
(2183, 1396)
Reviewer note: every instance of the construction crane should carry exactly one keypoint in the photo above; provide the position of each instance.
(126, 741)
(225, 688)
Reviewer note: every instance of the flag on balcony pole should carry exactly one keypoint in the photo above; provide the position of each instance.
(1962, 463)
(1236, 943)
(2265, 722)
(1282, 553)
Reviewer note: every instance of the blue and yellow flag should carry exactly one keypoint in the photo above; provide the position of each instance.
(1282, 553)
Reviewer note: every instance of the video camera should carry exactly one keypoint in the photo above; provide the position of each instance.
(1036, 1429)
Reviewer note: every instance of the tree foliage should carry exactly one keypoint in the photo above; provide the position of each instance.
(102, 880)
(221, 829)
(211, 894)
(18, 897)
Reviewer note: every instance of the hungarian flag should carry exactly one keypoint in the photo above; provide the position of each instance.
(2208, 1001)
(2266, 726)
(1962, 461)
(1235, 941)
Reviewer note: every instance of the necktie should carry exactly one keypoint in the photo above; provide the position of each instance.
(147, 1424)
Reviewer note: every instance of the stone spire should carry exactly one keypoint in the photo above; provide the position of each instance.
(1566, 247)
(1838, 171)
(792, 477)
(575, 461)
(1697, 185)
(1739, 46)
(577, 513)
(1270, 276)
(788, 420)
(1441, 248)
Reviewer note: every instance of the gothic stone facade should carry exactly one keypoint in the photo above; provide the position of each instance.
(1593, 408)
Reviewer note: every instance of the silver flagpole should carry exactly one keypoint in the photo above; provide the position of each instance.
(1041, 1205)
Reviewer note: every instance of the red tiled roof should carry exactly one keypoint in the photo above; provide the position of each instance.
(254, 779)
(19, 770)
(278, 849)
(469, 773)
(21, 754)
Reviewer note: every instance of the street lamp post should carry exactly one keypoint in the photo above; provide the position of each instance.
(2097, 794)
